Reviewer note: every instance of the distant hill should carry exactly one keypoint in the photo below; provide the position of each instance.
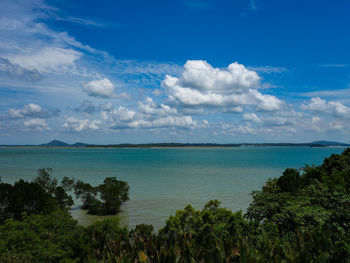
(328, 143)
(54, 143)
(57, 143)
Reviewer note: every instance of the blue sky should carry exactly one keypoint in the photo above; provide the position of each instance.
(174, 71)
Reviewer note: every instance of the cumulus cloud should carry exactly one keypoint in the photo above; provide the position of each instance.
(32, 110)
(202, 85)
(149, 115)
(201, 75)
(79, 125)
(151, 108)
(164, 122)
(122, 114)
(332, 107)
(36, 124)
(103, 88)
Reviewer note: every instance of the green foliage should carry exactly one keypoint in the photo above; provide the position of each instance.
(41, 238)
(105, 240)
(43, 195)
(105, 199)
(317, 199)
(289, 181)
(24, 197)
(86, 193)
(209, 235)
(113, 194)
(50, 185)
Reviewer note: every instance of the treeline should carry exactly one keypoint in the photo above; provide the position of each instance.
(298, 217)
(213, 145)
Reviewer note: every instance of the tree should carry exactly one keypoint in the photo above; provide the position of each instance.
(24, 197)
(114, 194)
(50, 185)
(105, 199)
(86, 193)
(289, 181)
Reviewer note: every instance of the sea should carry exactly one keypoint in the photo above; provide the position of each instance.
(163, 180)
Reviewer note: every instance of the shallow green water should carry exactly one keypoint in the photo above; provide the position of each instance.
(164, 180)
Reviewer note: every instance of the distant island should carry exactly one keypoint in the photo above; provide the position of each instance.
(60, 144)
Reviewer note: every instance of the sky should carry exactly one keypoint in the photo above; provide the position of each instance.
(224, 71)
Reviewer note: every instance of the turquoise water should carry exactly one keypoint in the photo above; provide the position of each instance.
(164, 180)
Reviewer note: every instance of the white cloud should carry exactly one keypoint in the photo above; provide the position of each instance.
(251, 117)
(165, 122)
(316, 104)
(36, 124)
(333, 107)
(47, 59)
(151, 108)
(122, 114)
(27, 110)
(78, 125)
(100, 88)
(32, 110)
(340, 109)
(339, 126)
(149, 115)
(201, 75)
(201, 85)
(266, 102)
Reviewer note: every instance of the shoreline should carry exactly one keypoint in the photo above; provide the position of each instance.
(171, 147)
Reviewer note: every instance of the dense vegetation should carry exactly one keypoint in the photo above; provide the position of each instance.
(45, 195)
(298, 217)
